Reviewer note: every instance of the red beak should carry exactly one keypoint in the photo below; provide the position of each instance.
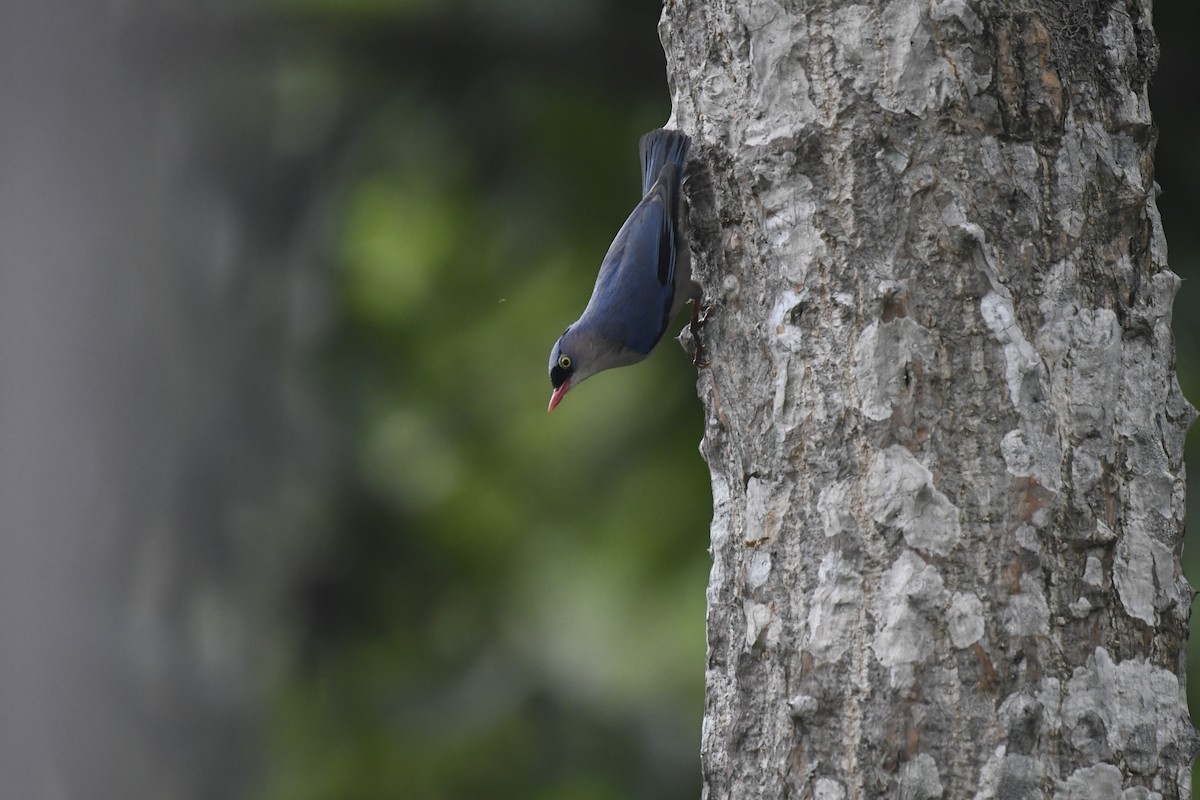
(557, 397)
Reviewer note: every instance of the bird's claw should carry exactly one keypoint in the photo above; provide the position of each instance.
(699, 318)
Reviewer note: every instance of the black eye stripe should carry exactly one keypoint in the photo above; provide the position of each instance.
(559, 376)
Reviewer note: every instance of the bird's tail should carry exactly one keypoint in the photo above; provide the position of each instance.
(660, 147)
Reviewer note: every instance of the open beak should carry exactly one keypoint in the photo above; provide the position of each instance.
(557, 397)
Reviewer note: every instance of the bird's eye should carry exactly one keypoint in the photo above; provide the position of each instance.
(564, 362)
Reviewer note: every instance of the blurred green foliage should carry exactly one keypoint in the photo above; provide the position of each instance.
(511, 604)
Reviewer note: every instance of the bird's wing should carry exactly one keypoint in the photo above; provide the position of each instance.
(632, 300)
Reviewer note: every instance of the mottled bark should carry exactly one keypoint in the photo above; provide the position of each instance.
(943, 424)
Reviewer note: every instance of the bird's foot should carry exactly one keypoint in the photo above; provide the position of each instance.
(699, 317)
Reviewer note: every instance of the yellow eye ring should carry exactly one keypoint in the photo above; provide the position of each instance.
(564, 361)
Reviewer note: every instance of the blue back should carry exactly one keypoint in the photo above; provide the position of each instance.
(631, 303)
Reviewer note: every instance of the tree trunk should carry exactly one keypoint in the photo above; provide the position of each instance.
(155, 435)
(942, 418)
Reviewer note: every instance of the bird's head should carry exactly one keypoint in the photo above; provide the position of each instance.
(564, 366)
(579, 354)
(585, 348)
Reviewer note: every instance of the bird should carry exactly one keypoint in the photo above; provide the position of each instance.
(644, 279)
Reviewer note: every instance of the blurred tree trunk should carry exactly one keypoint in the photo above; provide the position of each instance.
(942, 418)
(154, 435)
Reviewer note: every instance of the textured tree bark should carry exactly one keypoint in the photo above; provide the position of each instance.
(943, 424)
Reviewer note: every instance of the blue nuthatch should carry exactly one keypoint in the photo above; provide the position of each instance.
(644, 280)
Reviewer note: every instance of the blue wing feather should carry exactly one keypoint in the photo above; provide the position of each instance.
(631, 303)
(635, 287)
